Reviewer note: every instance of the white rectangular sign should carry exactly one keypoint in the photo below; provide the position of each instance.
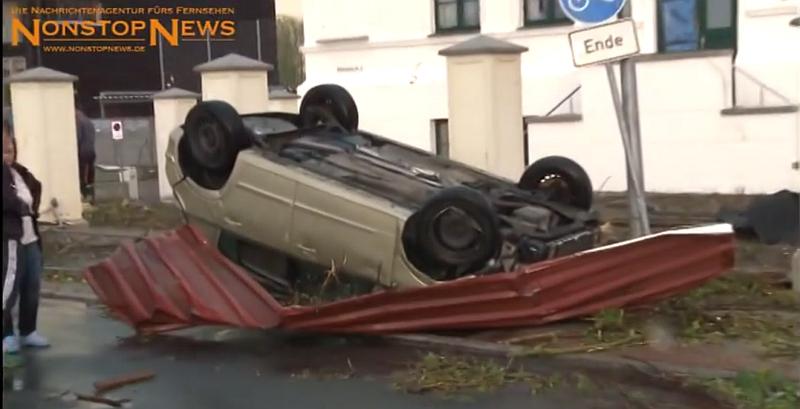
(116, 130)
(605, 43)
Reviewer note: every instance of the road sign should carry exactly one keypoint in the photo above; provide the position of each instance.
(591, 11)
(116, 130)
(605, 43)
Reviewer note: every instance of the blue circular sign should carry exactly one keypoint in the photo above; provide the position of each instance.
(591, 11)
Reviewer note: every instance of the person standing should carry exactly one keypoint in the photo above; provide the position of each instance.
(13, 211)
(86, 152)
(21, 192)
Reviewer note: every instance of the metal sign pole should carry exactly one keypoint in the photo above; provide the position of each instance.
(161, 62)
(640, 223)
(635, 196)
(639, 220)
(604, 42)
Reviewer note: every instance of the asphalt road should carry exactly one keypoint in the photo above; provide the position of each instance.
(221, 369)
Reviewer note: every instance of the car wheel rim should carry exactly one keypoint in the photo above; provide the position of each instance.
(556, 187)
(210, 138)
(456, 230)
(321, 114)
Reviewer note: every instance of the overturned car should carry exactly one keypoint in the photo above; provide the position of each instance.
(274, 188)
(276, 192)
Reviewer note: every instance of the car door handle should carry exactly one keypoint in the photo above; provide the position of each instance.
(305, 249)
(232, 222)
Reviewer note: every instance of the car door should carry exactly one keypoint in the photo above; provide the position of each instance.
(257, 203)
(333, 223)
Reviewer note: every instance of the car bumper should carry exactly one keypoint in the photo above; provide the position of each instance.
(572, 243)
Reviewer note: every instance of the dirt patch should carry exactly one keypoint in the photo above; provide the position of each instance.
(73, 248)
(123, 213)
(464, 377)
(755, 257)
(68, 250)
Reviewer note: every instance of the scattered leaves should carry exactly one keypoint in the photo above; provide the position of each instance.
(749, 308)
(453, 375)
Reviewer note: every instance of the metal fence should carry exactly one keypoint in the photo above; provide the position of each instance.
(126, 165)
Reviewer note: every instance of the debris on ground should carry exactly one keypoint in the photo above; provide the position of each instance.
(326, 374)
(455, 376)
(316, 286)
(770, 219)
(102, 387)
(114, 403)
(124, 213)
(736, 307)
(449, 375)
(105, 386)
(60, 276)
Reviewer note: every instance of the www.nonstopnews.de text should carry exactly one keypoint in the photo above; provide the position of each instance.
(94, 48)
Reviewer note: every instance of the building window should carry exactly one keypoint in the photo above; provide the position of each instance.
(692, 25)
(544, 13)
(441, 140)
(457, 15)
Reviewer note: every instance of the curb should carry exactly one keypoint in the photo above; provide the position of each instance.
(491, 348)
(68, 296)
(58, 292)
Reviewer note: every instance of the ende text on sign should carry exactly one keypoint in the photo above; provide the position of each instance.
(604, 43)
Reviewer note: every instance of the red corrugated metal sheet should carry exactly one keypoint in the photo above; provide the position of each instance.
(178, 279)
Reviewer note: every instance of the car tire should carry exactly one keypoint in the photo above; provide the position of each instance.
(215, 135)
(198, 173)
(457, 227)
(327, 102)
(562, 179)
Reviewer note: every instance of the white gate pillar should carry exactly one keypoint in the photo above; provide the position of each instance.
(237, 80)
(169, 111)
(43, 109)
(484, 91)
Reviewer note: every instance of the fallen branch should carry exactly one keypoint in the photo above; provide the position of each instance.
(70, 246)
(629, 341)
(115, 403)
(531, 337)
(114, 383)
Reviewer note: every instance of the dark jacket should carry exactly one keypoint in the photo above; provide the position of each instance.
(14, 208)
(86, 137)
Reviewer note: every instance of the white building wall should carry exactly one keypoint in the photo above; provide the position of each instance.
(291, 8)
(688, 146)
(385, 53)
(768, 50)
